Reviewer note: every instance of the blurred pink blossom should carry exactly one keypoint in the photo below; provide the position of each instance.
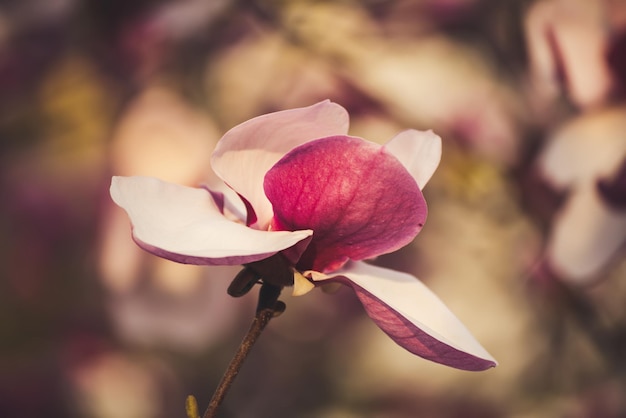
(567, 43)
(583, 159)
(436, 81)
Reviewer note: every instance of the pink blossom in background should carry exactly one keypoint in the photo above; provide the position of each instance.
(323, 201)
(437, 81)
(567, 43)
(583, 159)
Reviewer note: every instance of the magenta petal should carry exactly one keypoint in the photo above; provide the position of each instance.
(247, 151)
(413, 316)
(358, 199)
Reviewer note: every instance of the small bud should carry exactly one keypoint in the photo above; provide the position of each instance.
(243, 282)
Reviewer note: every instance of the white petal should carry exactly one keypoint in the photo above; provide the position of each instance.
(412, 315)
(587, 147)
(418, 151)
(184, 224)
(587, 234)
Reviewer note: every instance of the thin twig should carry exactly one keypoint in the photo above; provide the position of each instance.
(266, 309)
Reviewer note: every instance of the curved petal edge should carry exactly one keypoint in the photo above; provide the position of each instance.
(413, 316)
(247, 151)
(418, 151)
(359, 206)
(185, 225)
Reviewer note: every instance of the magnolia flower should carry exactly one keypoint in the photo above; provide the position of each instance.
(309, 196)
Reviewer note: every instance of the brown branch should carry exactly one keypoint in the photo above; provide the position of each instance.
(268, 306)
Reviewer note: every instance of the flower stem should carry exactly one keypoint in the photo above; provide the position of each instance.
(268, 306)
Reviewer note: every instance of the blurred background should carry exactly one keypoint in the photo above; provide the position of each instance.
(524, 241)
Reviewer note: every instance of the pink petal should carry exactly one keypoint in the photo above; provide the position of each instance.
(358, 198)
(413, 316)
(567, 43)
(185, 225)
(418, 151)
(587, 147)
(587, 234)
(248, 151)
